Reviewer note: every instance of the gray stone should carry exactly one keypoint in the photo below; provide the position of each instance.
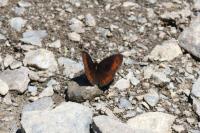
(3, 88)
(15, 64)
(34, 37)
(90, 20)
(160, 78)
(196, 105)
(68, 117)
(122, 84)
(160, 53)
(54, 84)
(19, 10)
(106, 124)
(196, 4)
(134, 81)
(153, 122)
(82, 93)
(17, 23)
(73, 36)
(45, 103)
(19, 78)
(7, 99)
(3, 3)
(189, 39)
(41, 59)
(152, 97)
(23, 3)
(71, 68)
(32, 90)
(178, 128)
(196, 88)
(47, 92)
(2, 37)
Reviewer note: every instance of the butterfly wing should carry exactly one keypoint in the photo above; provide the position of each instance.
(107, 68)
(89, 67)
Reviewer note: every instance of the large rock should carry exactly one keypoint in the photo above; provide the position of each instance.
(16, 79)
(166, 52)
(189, 39)
(41, 59)
(154, 122)
(105, 124)
(68, 117)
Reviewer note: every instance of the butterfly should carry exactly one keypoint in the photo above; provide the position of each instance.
(101, 73)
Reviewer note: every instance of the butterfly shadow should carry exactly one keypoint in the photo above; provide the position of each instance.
(83, 81)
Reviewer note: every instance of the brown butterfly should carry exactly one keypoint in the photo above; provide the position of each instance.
(101, 73)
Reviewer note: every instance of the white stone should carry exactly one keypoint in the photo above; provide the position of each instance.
(76, 25)
(196, 88)
(55, 44)
(166, 52)
(23, 3)
(34, 37)
(3, 88)
(74, 36)
(134, 81)
(153, 122)
(71, 68)
(47, 92)
(68, 117)
(2, 37)
(152, 97)
(41, 59)
(3, 3)
(122, 84)
(17, 23)
(8, 60)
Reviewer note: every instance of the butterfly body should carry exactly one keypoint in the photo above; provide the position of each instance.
(101, 73)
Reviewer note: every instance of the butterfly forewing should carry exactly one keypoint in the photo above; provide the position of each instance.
(89, 67)
(107, 68)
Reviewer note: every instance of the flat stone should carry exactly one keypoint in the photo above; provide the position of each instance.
(196, 4)
(2, 37)
(71, 68)
(23, 3)
(134, 81)
(122, 84)
(19, 10)
(160, 78)
(82, 93)
(3, 88)
(196, 106)
(47, 92)
(189, 39)
(153, 122)
(55, 44)
(19, 78)
(166, 52)
(124, 103)
(17, 23)
(76, 26)
(15, 64)
(32, 90)
(34, 37)
(68, 117)
(73, 36)
(8, 60)
(106, 124)
(41, 104)
(41, 59)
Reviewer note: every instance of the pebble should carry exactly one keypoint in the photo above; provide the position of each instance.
(73, 36)
(17, 23)
(3, 88)
(178, 128)
(41, 59)
(19, 10)
(134, 81)
(47, 92)
(76, 25)
(196, 5)
(56, 44)
(2, 37)
(19, 78)
(8, 60)
(90, 20)
(152, 97)
(3, 3)
(7, 99)
(122, 84)
(106, 124)
(82, 93)
(189, 38)
(54, 84)
(71, 68)
(166, 52)
(196, 105)
(124, 103)
(68, 116)
(45, 103)
(32, 90)
(196, 88)
(160, 78)
(34, 37)
(144, 122)
(15, 64)
(23, 3)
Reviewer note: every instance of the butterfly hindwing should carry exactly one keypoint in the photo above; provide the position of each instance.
(107, 68)
(89, 67)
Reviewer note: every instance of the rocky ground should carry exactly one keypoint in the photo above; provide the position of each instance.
(156, 90)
